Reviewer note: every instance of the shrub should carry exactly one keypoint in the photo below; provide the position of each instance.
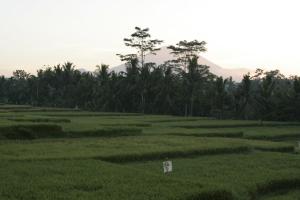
(35, 131)
(30, 131)
(288, 148)
(131, 124)
(123, 158)
(220, 134)
(72, 114)
(273, 136)
(39, 120)
(274, 186)
(211, 195)
(106, 132)
(13, 107)
(237, 125)
(172, 120)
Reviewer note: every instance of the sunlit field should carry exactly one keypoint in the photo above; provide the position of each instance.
(48, 153)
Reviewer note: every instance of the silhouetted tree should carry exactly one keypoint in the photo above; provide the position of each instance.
(181, 87)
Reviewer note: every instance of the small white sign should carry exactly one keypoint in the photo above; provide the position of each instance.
(167, 166)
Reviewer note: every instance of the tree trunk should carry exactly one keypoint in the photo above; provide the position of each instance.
(186, 110)
(192, 106)
(143, 103)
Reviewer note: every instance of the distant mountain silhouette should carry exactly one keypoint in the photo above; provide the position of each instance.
(164, 54)
(82, 70)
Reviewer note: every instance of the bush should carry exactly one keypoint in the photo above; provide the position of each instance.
(22, 132)
(274, 137)
(226, 134)
(37, 109)
(39, 120)
(174, 120)
(237, 125)
(35, 131)
(74, 114)
(106, 132)
(275, 186)
(131, 124)
(288, 148)
(30, 131)
(122, 158)
(13, 107)
(212, 195)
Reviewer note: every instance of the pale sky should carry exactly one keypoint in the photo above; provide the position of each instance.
(239, 33)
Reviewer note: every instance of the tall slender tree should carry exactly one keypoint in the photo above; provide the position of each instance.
(186, 50)
(192, 73)
(142, 42)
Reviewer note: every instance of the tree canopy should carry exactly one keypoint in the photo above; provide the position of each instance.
(180, 87)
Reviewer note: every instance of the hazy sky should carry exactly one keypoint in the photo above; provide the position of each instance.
(239, 33)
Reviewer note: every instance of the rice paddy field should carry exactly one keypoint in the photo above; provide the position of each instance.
(48, 153)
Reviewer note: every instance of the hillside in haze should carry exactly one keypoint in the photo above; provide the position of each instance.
(165, 55)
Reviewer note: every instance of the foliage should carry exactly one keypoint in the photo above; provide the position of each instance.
(178, 87)
(86, 158)
(30, 131)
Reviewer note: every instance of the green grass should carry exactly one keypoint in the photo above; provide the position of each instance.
(30, 131)
(88, 179)
(121, 149)
(211, 134)
(109, 131)
(236, 124)
(283, 195)
(85, 114)
(9, 106)
(88, 159)
(40, 120)
(259, 133)
(37, 131)
(242, 174)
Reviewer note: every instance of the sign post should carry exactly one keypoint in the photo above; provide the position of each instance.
(167, 166)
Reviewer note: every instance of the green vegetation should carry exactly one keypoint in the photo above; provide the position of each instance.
(88, 179)
(54, 120)
(35, 131)
(285, 195)
(180, 87)
(244, 174)
(89, 155)
(30, 131)
(121, 149)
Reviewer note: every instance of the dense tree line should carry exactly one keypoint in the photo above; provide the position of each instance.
(180, 87)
